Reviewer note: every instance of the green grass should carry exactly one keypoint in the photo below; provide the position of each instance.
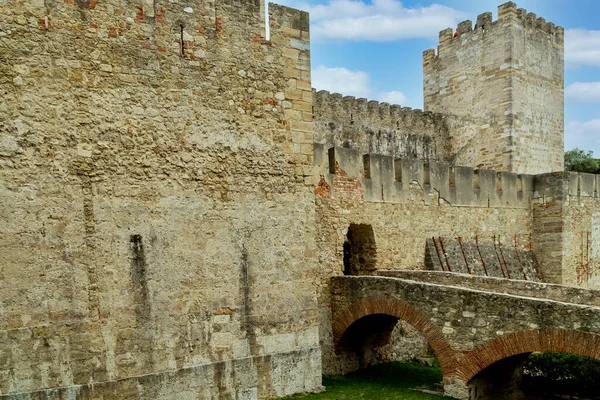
(392, 381)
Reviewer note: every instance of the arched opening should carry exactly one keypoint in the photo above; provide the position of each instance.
(516, 365)
(360, 250)
(382, 338)
(364, 335)
(374, 329)
(538, 375)
(562, 375)
(366, 326)
(502, 380)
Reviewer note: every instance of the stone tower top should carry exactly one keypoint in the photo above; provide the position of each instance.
(503, 82)
(506, 12)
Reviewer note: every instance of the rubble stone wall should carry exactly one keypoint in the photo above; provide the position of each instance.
(373, 127)
(148, 151)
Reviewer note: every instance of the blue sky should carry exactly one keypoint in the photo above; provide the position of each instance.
(373, 49)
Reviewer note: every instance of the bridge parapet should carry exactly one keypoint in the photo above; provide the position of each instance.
(538, 290)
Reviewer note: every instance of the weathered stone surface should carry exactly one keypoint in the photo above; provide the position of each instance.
(401, 232)
(540, 290)
(372, 127)
(157, 215)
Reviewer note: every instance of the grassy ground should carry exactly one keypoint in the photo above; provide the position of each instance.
(392, 381)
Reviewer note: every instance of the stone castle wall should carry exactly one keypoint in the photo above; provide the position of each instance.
(565, 207)
(501, 87)
(165, 227)
(401, 227)
(538, 94)
(148, 151)
(383, 178)
(523, 227)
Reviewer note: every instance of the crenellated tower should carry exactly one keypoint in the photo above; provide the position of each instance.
(502, 85)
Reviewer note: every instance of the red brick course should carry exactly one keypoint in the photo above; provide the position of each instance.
(560, 340)
(343, 187)
(464, 365)
(404, 311)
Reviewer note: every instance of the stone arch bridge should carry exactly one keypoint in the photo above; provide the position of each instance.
(480, 328)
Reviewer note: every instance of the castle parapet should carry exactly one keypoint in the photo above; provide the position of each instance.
(508, 13)
(353, 109)
(561, 185)
(379, 128)
(400, 180)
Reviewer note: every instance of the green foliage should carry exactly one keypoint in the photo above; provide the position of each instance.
(393, 381)
(578, 160)
(561, 366)
(552, 375)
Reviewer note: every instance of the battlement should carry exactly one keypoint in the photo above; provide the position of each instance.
(508, 14)
(218, 50)
(562, 185)
(360, 108)
(175, 27)
(394, 180)
(374, 127)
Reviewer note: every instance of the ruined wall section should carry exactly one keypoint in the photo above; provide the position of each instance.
(148, 151)
(501, 86)
(506, 259)
(373, 127)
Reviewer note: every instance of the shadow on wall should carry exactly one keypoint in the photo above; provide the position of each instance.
(360, 250)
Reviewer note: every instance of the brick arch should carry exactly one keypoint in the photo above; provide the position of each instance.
(401, 310)
(559, 340)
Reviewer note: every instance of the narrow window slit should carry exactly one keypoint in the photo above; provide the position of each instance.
(182, 42)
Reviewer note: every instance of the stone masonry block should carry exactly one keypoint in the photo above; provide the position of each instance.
(462, 193)
(411, 171)
(439, 179)
(587, 185)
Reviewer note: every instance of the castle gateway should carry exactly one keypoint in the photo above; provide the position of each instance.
(178, 206)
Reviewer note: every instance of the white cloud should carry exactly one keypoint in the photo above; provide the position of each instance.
(381, 20)
(584, 135)
(352, 83)
(584, 92)
(341, 80)
(582, 47)
(393, 97)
